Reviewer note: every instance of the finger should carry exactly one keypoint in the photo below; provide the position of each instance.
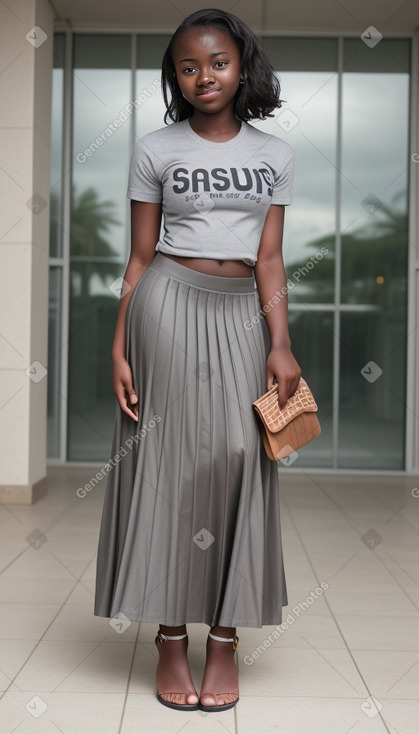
(123, 404)
(295, 385)
(290, 390)
(282, 401)
(133, 398)
(282, 393)
(130, 413)
(132, 405)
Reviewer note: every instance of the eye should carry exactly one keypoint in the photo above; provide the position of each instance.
(186, 69)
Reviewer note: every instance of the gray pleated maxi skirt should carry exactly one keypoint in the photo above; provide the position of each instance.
(190, 528)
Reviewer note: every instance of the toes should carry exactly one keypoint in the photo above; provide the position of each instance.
(180, 698)
(171, 697)
(167, 697)
(229, 697)
(208, 700)
(174, 697)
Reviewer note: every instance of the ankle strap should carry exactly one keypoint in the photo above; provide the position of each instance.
(234, 639)
(163, 637)
(222, 639)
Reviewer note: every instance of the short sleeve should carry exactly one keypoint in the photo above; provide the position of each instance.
(143, 181)
(283, 181)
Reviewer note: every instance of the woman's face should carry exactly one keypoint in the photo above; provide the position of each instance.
(207, 59)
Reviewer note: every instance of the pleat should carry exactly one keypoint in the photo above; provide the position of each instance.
(190, 528)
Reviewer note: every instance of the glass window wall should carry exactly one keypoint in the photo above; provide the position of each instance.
(345, 238)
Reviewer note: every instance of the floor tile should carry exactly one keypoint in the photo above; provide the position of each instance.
(84, 713)
(296, 631)
(51, 591)
(371, 603)
(77, 622)
(388, 673)
(379, 633)
(285, 671)
(298, 715)
(26, 621)
(13, 655)
(77, 667)
(401, 717)
(145, 715)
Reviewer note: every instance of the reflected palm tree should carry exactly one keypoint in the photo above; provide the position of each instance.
(93, 313)
(374, 263)
(91, 219)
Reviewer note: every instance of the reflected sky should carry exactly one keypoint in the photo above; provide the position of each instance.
(56, 158)
(99, 98)
(311, 105)
(56, 128)
(374, 139)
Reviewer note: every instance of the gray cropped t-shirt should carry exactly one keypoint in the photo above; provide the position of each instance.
(215, 196)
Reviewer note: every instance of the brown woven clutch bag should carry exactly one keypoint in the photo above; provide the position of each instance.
(286, 430)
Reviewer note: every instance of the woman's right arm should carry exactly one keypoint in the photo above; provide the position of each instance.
(145, 231)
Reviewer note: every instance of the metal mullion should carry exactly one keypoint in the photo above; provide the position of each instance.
(66, 194)
(412, 356)
(62, 25)
(132, 124)
(337, 316)
(313, 306)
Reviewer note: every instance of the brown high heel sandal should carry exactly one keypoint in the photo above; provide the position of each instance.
(180, 706)
(223, 707)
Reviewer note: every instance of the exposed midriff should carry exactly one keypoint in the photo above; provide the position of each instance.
(225, 268)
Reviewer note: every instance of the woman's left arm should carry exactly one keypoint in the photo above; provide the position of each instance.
(271, 281)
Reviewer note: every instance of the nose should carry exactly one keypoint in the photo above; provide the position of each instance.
(205, 77)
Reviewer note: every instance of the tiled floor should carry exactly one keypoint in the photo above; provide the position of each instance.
(347, 661)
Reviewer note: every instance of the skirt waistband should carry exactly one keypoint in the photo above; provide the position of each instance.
(202, 280)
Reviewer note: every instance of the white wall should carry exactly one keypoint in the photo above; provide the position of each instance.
(25, 114)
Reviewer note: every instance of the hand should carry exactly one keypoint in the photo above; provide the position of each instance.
(122, 387)
(282, 365)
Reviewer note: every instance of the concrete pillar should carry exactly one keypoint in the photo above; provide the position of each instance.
(26, 56)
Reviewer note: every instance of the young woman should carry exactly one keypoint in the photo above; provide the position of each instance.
(191, 525)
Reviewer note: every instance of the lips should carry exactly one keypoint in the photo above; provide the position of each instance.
(208, 93)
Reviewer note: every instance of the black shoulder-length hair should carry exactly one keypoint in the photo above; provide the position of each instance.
(255, 99)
